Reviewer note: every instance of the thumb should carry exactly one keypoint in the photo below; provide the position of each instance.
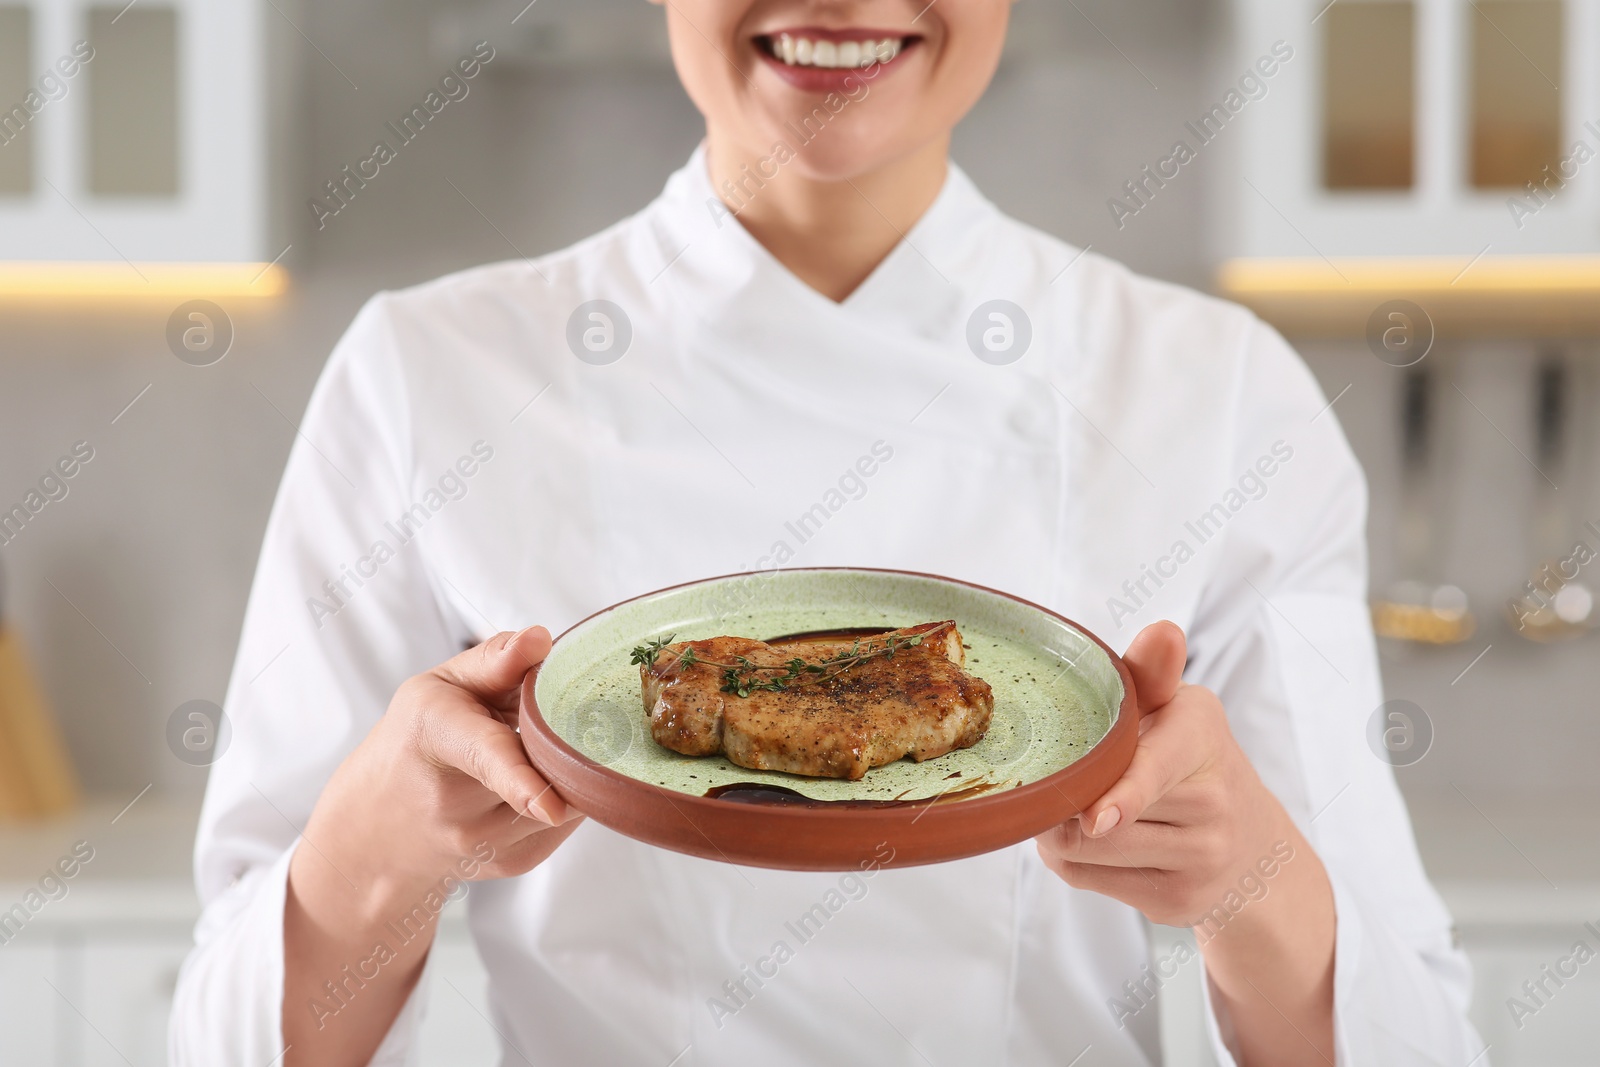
(1156, 659)
(496, 667)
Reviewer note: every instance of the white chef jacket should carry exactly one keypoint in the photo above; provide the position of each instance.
(1118, 472)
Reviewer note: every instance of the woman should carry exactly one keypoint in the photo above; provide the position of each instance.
(528, 442)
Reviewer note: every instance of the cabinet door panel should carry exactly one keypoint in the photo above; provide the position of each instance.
(127, 984)
(1554, 1027)
(29, 1008)
(457, 1031)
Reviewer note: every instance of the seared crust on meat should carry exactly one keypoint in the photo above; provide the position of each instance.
(918, 703)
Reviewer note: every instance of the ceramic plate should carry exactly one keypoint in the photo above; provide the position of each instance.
(1064, 726)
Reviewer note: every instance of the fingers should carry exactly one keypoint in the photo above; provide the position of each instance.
(1180, 742)
(494, 669)
(1137, 886)
(1140, 844)
(491, 752)
(1156, 659)
(521, 855)
(507, 828)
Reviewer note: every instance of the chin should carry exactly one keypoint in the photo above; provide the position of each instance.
(839, 155)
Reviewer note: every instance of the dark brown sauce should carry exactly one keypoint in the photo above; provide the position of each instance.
(818, 637)
(783, 796)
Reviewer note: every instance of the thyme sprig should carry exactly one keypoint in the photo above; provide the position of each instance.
(743, 677)
(645, 654)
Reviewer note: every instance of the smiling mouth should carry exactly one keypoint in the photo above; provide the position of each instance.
(832, 53)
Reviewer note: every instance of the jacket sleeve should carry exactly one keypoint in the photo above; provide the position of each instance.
(1284, 637)
(339, 614)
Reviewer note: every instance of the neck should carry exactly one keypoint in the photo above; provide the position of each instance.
(831, 234)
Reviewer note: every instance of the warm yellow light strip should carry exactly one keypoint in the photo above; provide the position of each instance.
(119, 280)
(1409, 276)
(1505, 296)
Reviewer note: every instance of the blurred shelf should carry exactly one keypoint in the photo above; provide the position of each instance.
(150, 840)
(1509, 860)
(141, 872)
(1492, 296)
(1531, 876)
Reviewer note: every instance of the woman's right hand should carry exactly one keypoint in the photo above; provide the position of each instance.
(444, 772)
(440, 783)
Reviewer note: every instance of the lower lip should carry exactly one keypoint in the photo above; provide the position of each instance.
(832, 79)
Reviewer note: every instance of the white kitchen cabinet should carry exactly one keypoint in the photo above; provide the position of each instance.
(94, 989)
(95, 995)
(1279, 198)
(1440, 153)
(1562, 1032)
(458, 1029)
(89, 981)
(28, 1034)
(98, 993)
(162, 144)
(125, 983)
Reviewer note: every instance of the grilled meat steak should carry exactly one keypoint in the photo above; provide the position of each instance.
(863, 708)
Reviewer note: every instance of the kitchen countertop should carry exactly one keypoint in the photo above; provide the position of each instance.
(1508, 865)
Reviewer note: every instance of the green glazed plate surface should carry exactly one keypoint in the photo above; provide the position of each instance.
(1056, 692)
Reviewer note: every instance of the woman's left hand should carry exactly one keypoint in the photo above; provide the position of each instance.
(1191, 836)
(1190, 816)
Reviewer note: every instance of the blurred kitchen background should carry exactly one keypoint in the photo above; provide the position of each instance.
(1410, 190)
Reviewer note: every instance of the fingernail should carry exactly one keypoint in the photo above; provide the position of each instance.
(511, 641)
(1107, 821)
(539, 814)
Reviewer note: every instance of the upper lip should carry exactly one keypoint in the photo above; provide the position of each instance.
(819, 33)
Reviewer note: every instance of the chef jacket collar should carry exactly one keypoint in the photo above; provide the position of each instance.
(919, 288)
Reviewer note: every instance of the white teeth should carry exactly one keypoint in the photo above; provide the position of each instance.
(805, 52)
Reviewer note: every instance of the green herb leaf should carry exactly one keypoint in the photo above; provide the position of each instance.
(645, 654)
(743, 676)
